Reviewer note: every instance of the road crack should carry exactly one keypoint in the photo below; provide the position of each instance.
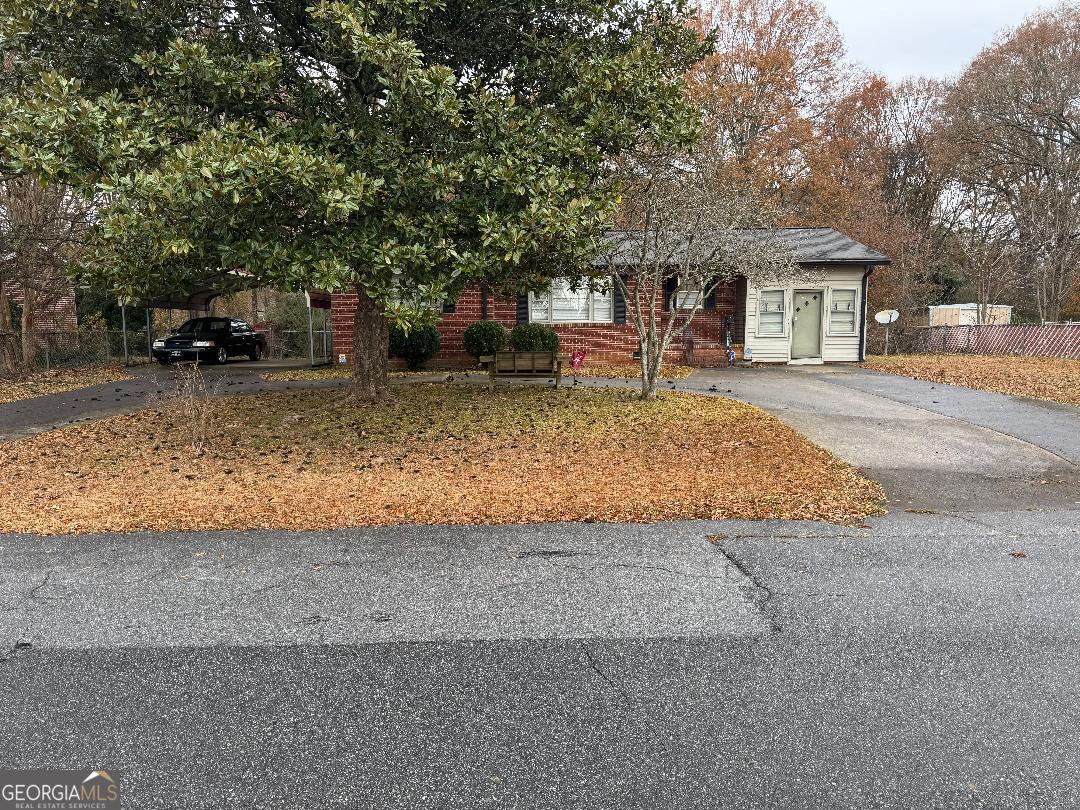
(595, 667)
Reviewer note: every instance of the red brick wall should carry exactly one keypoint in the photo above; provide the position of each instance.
(56, 316)
(701, 344)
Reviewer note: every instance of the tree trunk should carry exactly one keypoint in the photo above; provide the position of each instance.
(29, 317)
(371, 350)
(9, 356)
(650, 366)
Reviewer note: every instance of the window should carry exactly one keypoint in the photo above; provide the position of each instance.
(562, 304)
(770, 312)
(842, 313)
(687, 297)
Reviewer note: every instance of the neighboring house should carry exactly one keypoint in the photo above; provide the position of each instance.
(968, 314)
(820, 319)
(57, 315)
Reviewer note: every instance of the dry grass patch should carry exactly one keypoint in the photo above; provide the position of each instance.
(58, 381)
(443, 454)
(1050, 378)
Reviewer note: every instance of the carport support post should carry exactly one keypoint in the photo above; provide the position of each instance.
(310, 330)
(149, 338)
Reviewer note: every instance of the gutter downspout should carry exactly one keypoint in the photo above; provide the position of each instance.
(862, 331)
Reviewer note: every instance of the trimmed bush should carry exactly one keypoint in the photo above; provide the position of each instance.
(415, 348)
(485, 337)
(534, 337)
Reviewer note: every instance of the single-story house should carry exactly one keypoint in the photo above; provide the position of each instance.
(820, 318)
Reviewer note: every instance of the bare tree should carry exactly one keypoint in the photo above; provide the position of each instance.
(684, 234)
(42, 230)
(1014, 119)
(984, 243)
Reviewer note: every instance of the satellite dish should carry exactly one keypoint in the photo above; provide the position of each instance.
(887, 316)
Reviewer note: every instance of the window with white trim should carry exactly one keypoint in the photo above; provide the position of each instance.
(842, 312)
(687, 297)
(563, 304)
(770, 312)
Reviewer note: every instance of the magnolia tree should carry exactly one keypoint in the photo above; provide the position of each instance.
(394, 149)
(684, 233)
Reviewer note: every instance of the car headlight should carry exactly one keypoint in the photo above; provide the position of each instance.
(203, 344)
(159, 343)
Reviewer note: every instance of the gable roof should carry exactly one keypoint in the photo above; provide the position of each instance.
(808, 245)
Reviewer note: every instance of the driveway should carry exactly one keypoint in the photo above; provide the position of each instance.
(926, 658)
(146, 384)
(932, 446)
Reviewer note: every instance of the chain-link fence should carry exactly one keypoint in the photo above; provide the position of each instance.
(1024, 340)
(285, 343)
(80, 348)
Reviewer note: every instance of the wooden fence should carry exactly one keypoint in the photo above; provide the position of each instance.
(1027, 340)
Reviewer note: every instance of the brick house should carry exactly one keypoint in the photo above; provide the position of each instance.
(820, 319)
(57, 315)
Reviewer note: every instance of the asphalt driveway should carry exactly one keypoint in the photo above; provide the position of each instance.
(932, 446)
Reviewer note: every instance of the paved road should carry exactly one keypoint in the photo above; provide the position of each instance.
(930, 658)
(915, 663)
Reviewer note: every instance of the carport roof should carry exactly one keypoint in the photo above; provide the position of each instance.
(809, 246)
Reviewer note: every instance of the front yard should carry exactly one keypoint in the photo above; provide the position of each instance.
(1049, 378)
(454, 454)
(57, 381)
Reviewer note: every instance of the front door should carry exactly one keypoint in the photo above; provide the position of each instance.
(806, 325)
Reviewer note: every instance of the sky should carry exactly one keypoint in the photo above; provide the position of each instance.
(935, 38)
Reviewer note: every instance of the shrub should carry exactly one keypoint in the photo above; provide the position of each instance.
(534, 337)
(485, 337)
(416, 347)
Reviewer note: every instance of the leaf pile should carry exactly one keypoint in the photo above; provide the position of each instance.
(441, 454)
(57, 381)
(608, 371)
(329, 373)
(618, 371)
(1050, 378)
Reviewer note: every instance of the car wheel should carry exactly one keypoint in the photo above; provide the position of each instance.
(222, 356)
(256, 352)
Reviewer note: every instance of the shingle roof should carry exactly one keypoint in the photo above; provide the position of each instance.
(808, 245)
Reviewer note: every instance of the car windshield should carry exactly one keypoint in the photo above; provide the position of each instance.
(201, 325)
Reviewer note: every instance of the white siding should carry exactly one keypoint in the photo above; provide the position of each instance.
(843, 348)
(767, 349)
(834, 348)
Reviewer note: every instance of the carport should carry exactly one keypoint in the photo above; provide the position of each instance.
(198, 303)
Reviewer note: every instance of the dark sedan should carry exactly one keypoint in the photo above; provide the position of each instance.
(210, 340)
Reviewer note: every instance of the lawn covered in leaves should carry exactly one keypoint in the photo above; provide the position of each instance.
(610, 371)
(57, 381)
(1050, 378)
(442, 454)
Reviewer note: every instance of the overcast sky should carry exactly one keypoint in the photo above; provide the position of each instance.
(923, 37)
